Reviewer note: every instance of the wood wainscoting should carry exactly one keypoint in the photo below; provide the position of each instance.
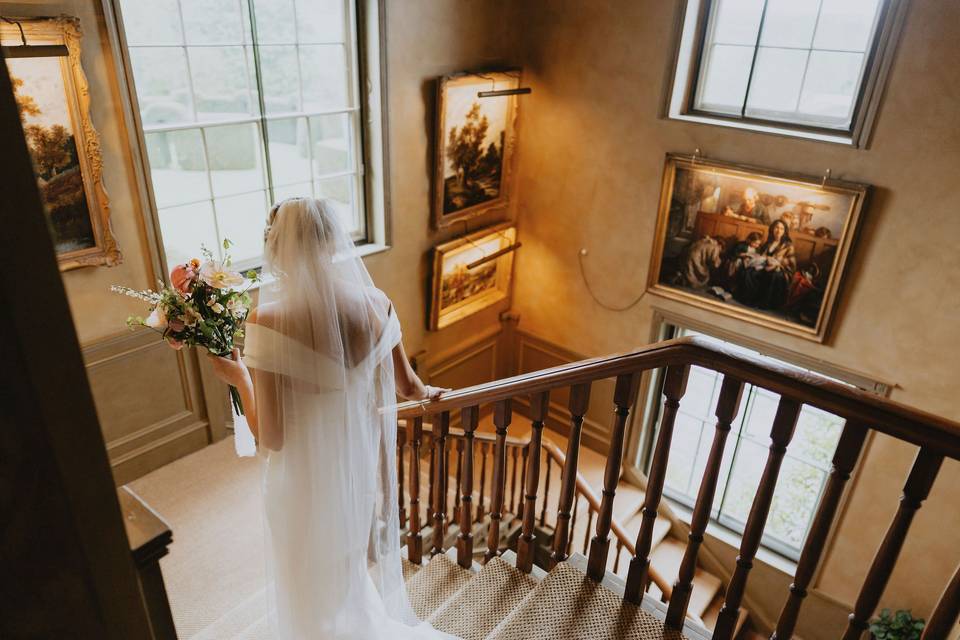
(151, 402)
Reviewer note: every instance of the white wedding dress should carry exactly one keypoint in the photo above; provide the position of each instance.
(320, 354)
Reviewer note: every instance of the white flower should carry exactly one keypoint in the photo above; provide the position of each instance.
(236, 307)
(216, 307)
(218, 276)
(157, 319)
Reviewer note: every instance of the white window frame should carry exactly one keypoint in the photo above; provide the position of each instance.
(690, 35)
(367, 89)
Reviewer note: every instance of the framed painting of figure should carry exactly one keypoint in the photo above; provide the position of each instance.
(766, 247)
(474, 145)
(54, 103)
(471, 273)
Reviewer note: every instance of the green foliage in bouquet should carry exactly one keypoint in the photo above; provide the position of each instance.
(206, 306)
(897, 626)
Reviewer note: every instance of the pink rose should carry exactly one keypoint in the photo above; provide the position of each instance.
(176, 325)
(182, 277)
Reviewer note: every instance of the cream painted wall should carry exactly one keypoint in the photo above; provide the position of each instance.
(591, 158)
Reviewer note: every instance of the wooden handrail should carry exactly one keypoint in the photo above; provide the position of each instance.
(584, 489)
(895, 419)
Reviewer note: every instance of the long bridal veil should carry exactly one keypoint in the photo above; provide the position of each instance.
(320, 353)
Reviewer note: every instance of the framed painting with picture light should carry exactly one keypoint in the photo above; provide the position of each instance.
(474, 145)
(470, 274)
(767, 247)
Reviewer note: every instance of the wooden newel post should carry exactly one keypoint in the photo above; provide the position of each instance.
(414, 541)
(623, 397)
(784, 424)
(579, 401)
(470, 416)
(844, 458)
(401, 445)
(441, 430)
(727, 406)
(674, 386)
(502, 413)
(539, 404)
(915, 491)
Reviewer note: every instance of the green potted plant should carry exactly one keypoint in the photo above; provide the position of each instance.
(897, 626)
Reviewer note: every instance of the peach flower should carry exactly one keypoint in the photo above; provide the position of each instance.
(182, 276)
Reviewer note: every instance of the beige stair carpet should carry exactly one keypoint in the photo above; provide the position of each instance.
(434, 584)
(485, 601)
(567, 605)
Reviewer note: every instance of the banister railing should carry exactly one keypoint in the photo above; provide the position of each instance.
(935, 436)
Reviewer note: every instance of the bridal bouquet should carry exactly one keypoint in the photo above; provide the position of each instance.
(206, 306)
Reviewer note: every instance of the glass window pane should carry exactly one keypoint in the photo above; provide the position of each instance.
(698, 398)
(163, 90)
(789, 23)
(330, 137)
(762, 410)
(276, 23)
(340, 192)
(281, 80)
(324, 70)
(235, 157)
(289, 150)
(220, 83)
(154, 22)
(816, 436)
(177, 167)
(794, 501)
(777, 78)
(185, 229)
(744, 480)
(683, 453)
(320, 21)
(736, 21)
(723, 82)
(846, 25)
(213, 21)
(299, 190)
(831, 87)
(242, 219)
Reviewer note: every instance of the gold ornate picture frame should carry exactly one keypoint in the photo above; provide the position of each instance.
(469, 275)
(475, 142)
(54, 102)
(767, 247)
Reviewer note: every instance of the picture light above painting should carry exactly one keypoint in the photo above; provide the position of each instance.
(475, 142)
(766, 247)
(54, 102)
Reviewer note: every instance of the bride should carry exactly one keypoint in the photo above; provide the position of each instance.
(322, 353)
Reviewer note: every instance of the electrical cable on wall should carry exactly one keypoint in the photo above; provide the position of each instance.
(583, 274)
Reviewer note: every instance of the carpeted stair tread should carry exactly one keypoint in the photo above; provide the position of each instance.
(661, 527)
(666, 558)
(435, 583)
(409, 569)
(566, 605)
(485, 601)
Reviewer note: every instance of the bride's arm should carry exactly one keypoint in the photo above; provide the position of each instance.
(409, 384)
(263, 417)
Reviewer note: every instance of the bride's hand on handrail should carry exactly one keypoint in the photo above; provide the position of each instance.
(433, 393)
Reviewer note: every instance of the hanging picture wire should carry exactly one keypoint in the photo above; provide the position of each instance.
(496, 93)
(487, 257)
(31, 50)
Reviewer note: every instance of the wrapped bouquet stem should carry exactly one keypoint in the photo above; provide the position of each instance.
(205, 306)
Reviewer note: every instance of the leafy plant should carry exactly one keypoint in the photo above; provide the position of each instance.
(897, 626)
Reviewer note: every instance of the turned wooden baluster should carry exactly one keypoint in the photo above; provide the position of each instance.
(456, 493)
(579, 401)
(441, 430)
(414, 541)
(727, 406)
(844, 458)
(514, 452)
(586, 534)
(546, 493)
(523, 474)
(674, 386)
(446, 484)
(400, 495)
(915, 491)
(947, 611)
(573, 523)
(428, 443)
(470, 416)
(483, 480)
(539, 404)
(616, 559)
(623, 395)
(501, 419)
(784, 424)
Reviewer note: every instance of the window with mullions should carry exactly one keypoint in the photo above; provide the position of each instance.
(244, 103)
(785, 64)
(802, 476)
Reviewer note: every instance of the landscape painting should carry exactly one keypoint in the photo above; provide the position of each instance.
(763, 246)
(465, 280)
(63, 144)
(475, 142)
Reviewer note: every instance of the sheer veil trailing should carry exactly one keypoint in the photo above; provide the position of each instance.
(320, 350)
